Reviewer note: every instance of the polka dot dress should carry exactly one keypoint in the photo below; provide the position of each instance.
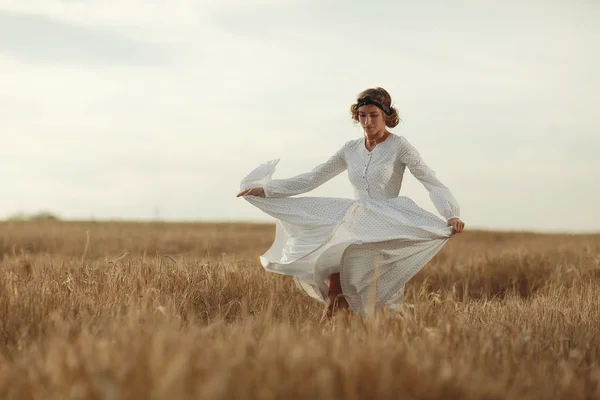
(377, 241)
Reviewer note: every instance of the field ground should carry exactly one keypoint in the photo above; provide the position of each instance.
(180, 311)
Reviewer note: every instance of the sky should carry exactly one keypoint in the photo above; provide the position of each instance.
(151, 109)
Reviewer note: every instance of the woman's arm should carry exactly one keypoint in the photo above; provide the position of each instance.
(308, 181)
(440, 195)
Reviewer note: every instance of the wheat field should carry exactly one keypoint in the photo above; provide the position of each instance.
(117, 310)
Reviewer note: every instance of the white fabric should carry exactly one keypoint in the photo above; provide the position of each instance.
(377, 241)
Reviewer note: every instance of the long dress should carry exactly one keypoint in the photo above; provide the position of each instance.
(377, 241)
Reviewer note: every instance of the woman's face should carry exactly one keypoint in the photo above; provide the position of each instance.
(371, 119)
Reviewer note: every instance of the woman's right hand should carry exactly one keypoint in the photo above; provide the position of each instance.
(260, 192)
(456, 224)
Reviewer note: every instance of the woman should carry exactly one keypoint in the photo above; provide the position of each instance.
(357, 253)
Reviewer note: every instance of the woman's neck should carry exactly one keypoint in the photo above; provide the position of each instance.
(371, 142)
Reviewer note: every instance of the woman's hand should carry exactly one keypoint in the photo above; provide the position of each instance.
(260, 192)
(456, 224)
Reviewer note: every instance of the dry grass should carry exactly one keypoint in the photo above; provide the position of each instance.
(176, 311)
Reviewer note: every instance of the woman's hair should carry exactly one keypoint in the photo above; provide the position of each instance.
(382, 99)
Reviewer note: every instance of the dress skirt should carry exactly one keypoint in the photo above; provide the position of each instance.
(376, 246)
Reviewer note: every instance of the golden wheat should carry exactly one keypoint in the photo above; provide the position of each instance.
(177, 311)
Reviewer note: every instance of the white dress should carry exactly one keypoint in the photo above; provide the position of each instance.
(377, 241)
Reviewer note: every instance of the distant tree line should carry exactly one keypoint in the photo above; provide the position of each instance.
(39, 216)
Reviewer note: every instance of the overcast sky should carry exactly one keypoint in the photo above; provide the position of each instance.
(136, 109)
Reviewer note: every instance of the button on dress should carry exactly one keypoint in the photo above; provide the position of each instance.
(377, 241)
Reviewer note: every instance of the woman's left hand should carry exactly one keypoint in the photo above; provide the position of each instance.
(258, 191)
(456, 224)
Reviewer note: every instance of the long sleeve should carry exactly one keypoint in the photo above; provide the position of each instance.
(308, 181)
(440, 195)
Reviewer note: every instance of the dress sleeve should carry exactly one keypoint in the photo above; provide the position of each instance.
(307, 181)
(440, 195)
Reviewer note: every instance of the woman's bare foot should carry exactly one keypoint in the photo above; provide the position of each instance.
(336, 304)
(337, 301)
